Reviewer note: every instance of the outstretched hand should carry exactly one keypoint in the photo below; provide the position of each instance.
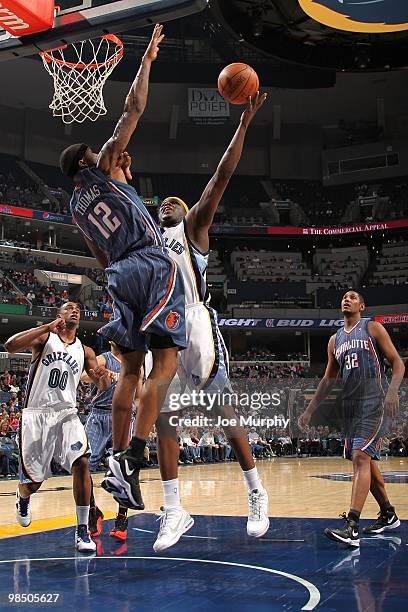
(102, 377)
(253, 105)
(124, 162)
(304, 420)
(153, 47)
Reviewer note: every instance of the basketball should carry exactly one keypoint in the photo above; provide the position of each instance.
(236, 82)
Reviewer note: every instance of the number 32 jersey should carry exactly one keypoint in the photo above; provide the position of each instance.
(361, 363)
(112, 215)
(55, 373)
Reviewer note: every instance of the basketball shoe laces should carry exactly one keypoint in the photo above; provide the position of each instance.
(121, 523)
(82, 532)
(23, 503)
(162, 517)
(382, 517)
(346, 520)
(254, 505)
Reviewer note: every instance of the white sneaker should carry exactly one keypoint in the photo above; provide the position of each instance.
(23, 512)
(173, 523)
(83, 541)
(258, 521)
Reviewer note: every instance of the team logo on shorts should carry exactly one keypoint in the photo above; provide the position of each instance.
(173, 320)
(359, 15)
(77, 446)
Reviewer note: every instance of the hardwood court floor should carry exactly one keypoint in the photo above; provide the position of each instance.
(297, 488)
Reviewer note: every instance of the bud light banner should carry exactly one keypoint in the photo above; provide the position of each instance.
(225, 323)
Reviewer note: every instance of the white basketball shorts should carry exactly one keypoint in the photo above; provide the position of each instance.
(46, 434)
(203, 365)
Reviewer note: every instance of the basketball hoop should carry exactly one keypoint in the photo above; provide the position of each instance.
(79, 71)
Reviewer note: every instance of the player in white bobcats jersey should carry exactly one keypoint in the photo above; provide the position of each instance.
(50, 427)
(203, 365)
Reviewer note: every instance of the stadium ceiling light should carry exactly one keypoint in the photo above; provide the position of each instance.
(257, 22)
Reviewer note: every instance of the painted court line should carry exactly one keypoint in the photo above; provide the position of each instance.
(183, 536)
(313, 591)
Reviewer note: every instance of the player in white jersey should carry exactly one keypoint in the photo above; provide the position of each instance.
(50, 427)
(203, 365)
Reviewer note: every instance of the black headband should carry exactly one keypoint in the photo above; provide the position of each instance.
(73, 169)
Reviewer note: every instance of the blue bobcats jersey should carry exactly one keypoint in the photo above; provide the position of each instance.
(361, 363)
(103, 399)
(112, 215)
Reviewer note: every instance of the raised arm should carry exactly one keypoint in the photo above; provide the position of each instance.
(33, 338)
(135, 104)
(324, 387)
(201, 215)
(398, 368)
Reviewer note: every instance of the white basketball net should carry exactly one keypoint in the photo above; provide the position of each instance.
(79, 71)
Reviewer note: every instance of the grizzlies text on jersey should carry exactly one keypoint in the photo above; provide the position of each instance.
(204, 364)
(54, 374)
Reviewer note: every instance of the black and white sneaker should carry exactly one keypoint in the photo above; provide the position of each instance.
(95, 521)
(83, 542)
(122, 480)
(23, 512)
(385, 522)
(347, 535)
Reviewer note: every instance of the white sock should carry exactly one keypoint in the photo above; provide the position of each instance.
(82, 515)
(171, 492)
(252, 479)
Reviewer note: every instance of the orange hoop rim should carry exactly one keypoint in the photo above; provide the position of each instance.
(48, 57)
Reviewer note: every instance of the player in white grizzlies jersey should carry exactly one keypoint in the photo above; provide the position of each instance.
(203, 365)
(50, 427)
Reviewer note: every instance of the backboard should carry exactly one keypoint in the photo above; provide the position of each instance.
(81, 19)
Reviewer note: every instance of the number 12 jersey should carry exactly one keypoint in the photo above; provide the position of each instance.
(112, 215)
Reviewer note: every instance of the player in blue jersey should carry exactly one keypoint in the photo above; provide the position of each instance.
(355, 356)
(98, 428)
(203, 366)
(147, 291)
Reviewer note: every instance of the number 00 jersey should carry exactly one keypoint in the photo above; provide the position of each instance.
(191, 262)
(55, 373)
(361, 363)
